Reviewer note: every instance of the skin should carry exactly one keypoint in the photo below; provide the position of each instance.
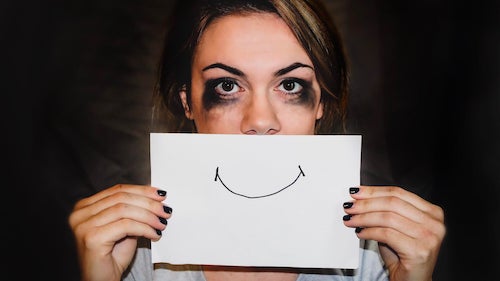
(106, 225)
(258, 106)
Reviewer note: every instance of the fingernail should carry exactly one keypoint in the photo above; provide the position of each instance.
(353, 190)
(347, 205)
(158, 232)
(161, 192)
(347, 217)
(167, 209)
(163, 220)
(358, 229)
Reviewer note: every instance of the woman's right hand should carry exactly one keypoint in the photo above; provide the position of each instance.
(107, 224)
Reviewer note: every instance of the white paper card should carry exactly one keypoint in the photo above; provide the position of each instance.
(245, 200)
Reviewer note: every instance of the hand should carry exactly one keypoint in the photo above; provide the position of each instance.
(106, 227)
(409, 229)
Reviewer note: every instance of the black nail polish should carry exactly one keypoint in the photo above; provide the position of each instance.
(167, 209)
(163, 220)
(358, 229)
(347, 205)
(353, 190)
(161, 192)
(158, 232)
(347, 217)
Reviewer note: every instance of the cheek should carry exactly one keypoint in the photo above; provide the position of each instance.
(300, 119)
(212, 119)
(217, 121)
(298, 122)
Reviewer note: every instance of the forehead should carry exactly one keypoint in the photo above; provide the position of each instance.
(249, 40)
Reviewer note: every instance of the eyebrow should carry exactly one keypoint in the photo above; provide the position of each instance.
(227, 68)
(238, 72)
(291, 67)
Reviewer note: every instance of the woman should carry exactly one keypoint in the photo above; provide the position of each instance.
(254, 67)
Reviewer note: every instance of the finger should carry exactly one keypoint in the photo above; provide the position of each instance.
(144, 190)
(121, 199)
(389, 204)
(365, 192)
(396, 222)
(107, 235)
(130, 212)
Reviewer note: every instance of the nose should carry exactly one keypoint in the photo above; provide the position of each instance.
(260, 117)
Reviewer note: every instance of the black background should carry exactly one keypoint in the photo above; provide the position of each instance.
(78, 75)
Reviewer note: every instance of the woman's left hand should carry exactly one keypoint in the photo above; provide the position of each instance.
(409, 229)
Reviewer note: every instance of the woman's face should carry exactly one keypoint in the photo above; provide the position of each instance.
(250, 75)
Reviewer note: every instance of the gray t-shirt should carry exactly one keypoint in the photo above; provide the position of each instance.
(371, 268)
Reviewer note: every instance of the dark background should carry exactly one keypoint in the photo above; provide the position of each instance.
(77, 78)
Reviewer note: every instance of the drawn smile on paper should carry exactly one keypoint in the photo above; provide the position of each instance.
(217, 176)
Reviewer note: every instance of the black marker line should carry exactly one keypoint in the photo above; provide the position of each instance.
(259, 196)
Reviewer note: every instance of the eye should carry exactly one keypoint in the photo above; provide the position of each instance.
(296, 91)
(291, 87)
(226, 87)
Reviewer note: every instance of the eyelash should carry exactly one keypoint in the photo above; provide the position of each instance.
(216, 94)
(303, 86)
(217, 85)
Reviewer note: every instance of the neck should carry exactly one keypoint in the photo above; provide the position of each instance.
(230, 273)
